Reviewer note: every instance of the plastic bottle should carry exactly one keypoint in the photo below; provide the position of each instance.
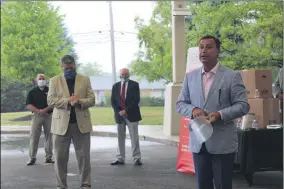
(254, 124)
(256, 93)
(239, 123)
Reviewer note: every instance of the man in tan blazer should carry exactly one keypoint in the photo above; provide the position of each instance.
(71, 95)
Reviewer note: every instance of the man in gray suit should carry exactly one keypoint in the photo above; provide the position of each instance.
(279, 90)
(71, 95)
(218, 93)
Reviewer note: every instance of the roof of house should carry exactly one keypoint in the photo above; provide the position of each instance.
(105, 83)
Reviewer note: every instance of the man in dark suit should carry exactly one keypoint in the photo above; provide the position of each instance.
(125, 99)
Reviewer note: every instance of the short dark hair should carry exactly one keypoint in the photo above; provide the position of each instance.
(67, 59)
(217, 41)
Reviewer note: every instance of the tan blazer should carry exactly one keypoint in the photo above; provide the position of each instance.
(58, 96)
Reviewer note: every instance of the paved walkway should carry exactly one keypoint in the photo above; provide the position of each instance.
(152, 133)
(158, 171)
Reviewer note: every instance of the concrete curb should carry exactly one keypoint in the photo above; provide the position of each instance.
(18, 132)
(167, 142)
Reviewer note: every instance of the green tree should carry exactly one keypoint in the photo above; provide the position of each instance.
(32, 40)
(90, 69)
(156, 62)
(69, 42)
(251, 35)
(251, 32)
(13, 94)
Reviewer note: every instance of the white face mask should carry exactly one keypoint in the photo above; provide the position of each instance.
(124, 78)
(41, 83)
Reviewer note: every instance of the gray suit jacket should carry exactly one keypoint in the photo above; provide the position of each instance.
(279, 83)
(58, 96)
(227, 95)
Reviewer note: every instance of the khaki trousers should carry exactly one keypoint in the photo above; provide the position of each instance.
(82, 145)
(37, 122)
(133, 132)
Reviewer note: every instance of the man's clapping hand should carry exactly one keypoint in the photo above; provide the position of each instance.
(198, 112)
(42, 112)
(213, 117)
(73, 99)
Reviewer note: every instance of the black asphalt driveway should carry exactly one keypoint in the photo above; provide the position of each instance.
(158, 171)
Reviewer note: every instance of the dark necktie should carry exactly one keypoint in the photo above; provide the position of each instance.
(122, 96)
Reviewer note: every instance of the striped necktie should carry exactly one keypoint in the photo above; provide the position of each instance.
(122, 96)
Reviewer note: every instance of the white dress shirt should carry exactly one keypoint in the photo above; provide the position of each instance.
(207, 79)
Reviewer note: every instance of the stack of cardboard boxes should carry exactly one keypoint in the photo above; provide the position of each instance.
(258, 85)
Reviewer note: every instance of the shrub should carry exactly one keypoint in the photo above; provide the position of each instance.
(13, 95)
(152, 101)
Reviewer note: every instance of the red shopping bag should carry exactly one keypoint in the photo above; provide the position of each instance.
(185, 160)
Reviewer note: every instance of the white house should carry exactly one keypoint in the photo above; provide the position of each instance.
(102, 86)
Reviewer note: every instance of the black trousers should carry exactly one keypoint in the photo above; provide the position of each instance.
(217, 167)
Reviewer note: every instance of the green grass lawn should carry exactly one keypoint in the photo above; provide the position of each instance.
(99, 115)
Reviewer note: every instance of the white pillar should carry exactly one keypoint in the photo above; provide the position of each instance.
(172, 120)
(112, 44)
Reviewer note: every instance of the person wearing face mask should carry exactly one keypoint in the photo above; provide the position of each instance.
(71, 95)
(37, 103)
(125, 99)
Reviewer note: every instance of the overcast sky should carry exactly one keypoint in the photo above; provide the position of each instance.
(86, 18)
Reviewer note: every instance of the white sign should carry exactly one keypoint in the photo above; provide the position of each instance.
(193, 61)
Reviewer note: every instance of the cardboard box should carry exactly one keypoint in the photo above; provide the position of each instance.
(258, 83)
(266, 111)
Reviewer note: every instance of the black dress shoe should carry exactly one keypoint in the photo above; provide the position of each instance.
(138, 162)
(49, 160)
(117, 162)
(85, 186)
(31, 162)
